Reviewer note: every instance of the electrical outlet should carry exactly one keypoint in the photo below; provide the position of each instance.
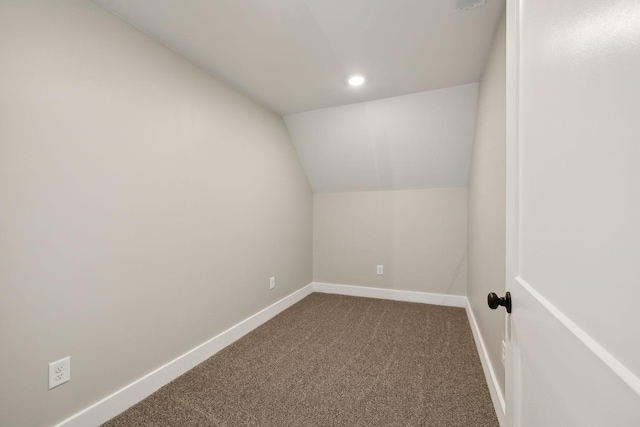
(59, 372)
(272, 283)
(380, 270)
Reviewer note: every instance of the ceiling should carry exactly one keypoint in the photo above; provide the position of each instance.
(421, 140)
(296, 55)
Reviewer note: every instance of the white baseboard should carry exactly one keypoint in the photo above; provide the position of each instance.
(437, 299)
(112, 405)
(489, 373)
(391, 294)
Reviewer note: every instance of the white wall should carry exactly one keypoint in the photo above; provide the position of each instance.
(145, 204)
(487, 209)
(419, 236)
(414, 141)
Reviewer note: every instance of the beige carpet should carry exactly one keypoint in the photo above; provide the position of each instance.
(334, 360)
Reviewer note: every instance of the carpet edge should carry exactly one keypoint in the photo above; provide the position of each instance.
(114, 404)
(391, 294)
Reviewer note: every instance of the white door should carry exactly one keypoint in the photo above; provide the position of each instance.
(573, 213)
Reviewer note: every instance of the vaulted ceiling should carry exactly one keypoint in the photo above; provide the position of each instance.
(422, 140)
(296, 55)
(411, 125)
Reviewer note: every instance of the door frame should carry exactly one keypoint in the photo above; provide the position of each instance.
(512, 261)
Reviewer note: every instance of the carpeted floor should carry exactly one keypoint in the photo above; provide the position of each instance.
(334, 360)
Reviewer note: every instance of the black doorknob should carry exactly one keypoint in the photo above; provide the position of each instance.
(494, 301)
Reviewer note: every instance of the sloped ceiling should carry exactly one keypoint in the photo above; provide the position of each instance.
(296, 55)
(409, 126)
(422, 140)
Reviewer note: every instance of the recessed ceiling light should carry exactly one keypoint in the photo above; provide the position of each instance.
(356, 80)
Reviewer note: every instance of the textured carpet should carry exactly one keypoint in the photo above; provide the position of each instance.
(334, 360)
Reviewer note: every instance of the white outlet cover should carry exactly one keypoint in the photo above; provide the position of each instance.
(59, 372)
(380, 270)
(272, 283)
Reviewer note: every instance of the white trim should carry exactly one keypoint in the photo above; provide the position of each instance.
(430, 298)
(391, 294)
(133, 393)
(607, 358)
(492, 381)
(512, 211)
(112, 405)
